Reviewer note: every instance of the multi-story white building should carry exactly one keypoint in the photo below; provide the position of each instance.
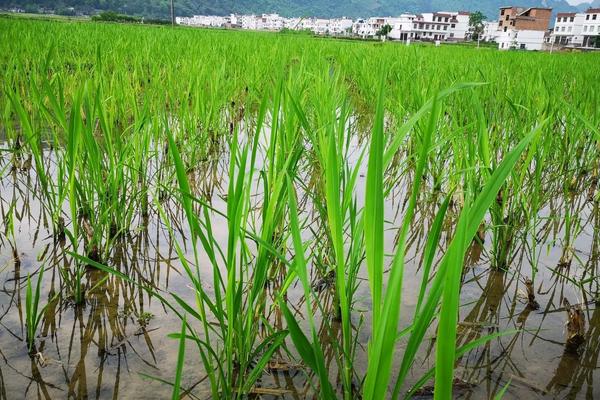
(269, 22)
(369, 27)
(247, 21)
(340, 26)
(442, 26)
(568, 29)
(577, 29)
(591, 28)
(201, 20)
(459, 27)
(320, 26)
(402, 27)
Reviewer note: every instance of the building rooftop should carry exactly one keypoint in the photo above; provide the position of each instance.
(566, 14)
(525, 9)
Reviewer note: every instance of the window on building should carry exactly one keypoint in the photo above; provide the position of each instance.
(585, 28)
(563, 29)
(451, 34)
(505, 28)
(437, 27)
(415, 26)
(587, 17)
(445, 27)
(453, 26)
(594, 16)
(501, 12)
(508, 16)
(570, 29)
(572, 19)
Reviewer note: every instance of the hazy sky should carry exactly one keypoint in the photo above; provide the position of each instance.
(575, 2)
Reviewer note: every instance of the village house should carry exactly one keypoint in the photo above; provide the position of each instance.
(402, 27)
(369, 27)
(442, 26)
(248, 22)
(591, 28)
(577, 29)
(269, 22)
(522, 28)
(490, 31)
(568, 29)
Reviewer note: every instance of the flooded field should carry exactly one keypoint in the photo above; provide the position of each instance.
(183, 218)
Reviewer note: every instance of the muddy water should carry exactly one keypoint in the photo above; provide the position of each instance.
(110, 346)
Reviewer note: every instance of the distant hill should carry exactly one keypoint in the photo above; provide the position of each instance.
(319, 8)
(585, 6)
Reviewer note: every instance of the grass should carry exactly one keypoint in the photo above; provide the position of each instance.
(270, 162)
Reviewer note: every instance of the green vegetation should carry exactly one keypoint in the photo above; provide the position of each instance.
(269, 164)
(110, 16)
(476, 27)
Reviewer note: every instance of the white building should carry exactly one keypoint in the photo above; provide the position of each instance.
(269, 22)
(441, 26)
(591, 28)
(490, 31)
(402, 27)
(340, 26)
(248, 21)
(568, 29)
(577, 29)
(459, 29)
(368, 27)
(202, 20)
(520, 39)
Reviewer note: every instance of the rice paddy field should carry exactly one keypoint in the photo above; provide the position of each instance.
(222, 214)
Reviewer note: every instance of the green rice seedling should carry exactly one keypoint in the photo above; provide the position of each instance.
(231, 360)
(33, 312)
(331, 146)
(310, 350)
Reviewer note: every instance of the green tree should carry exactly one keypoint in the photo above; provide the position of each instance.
(384, 31)
(476, 24)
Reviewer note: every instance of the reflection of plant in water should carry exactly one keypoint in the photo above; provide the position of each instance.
(33, 311)
(575, 326)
